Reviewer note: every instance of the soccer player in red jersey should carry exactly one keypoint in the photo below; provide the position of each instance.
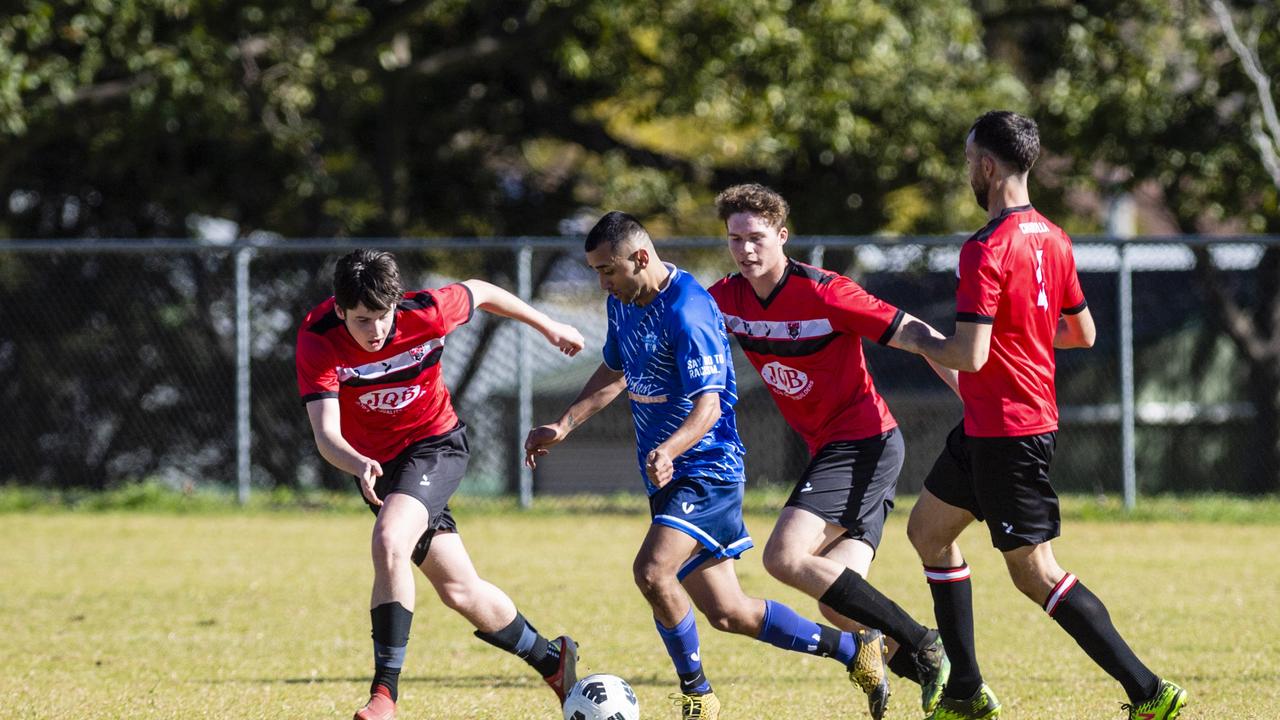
(1018, 298)
(802, 329)
(368, 362)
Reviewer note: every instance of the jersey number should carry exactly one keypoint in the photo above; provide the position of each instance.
(1042, 300)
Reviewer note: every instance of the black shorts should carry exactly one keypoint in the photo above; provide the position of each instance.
(852, 483)
(430, 471)
(1003, 481)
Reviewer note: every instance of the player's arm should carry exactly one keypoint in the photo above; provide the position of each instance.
(966, 351)
(327, 428)
(1075, 330)
(493, 299)
(601, 388)
(948, 375)
(705, 413)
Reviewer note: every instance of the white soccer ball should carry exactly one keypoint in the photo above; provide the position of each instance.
(601, 697)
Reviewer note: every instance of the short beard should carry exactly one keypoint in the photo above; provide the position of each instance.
(980, 194)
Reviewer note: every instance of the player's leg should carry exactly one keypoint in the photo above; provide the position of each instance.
(1023, 518)
(838, 510)
(401, 521)
(415, 488)
(655, 569)
(715, 590)
(926, 664)
(449, 568)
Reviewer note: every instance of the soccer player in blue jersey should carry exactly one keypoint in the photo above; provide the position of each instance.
(667, 348)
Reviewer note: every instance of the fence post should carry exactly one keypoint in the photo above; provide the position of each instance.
(1127, 451)
(524, 372)
(816, 255)
(243, 430)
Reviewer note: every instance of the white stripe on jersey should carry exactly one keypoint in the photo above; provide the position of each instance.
(407, 359)
(778, 329)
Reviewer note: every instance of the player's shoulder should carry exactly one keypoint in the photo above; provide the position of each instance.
(815, 276)
(321, 320)
(686, 295)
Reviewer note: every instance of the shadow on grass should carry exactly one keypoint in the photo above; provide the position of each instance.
(452, 681)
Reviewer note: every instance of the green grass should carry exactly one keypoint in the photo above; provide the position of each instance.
(264, 615)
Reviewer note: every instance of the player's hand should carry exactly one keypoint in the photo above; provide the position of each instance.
(565, 337)
(369, 474)
(538, 442)
(657, 465)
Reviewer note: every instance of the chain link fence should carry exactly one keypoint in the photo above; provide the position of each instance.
(173, 361)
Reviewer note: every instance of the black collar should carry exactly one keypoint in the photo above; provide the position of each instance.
(786, 274)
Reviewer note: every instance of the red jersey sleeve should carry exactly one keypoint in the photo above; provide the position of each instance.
(720, 293)
(455, 306)
(317, 368)
(978, 294)
(853, 310)
(1072, 296)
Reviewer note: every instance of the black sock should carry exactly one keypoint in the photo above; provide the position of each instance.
(1087, 621)
(855, 598)
(523, 640)
(390, 638)
(904, 665)
(953, 609)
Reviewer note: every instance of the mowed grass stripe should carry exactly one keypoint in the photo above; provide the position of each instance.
(265, 616)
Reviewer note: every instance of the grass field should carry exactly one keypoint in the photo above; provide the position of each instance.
(264, 615)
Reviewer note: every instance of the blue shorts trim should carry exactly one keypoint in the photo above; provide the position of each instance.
(707, 510)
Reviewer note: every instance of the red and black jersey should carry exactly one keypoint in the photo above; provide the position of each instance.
(805, 340)
(396, 396)
(1018, 275)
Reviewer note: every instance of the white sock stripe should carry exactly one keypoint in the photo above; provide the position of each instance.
(939, 575)
(1064, 585)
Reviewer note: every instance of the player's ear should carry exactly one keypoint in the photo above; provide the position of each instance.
(641, 256)
(783, 235)
(342, 314)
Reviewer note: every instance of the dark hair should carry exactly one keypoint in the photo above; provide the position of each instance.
(1011, 137)
(369, 277)
(616, 228)
(756, 199)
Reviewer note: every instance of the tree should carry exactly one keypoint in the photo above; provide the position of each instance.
(417, 118)
(1145, 96)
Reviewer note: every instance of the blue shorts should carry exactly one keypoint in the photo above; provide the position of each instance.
(707, 509)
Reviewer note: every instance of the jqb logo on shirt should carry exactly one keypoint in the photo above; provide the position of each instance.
(389, 400)
(787, 380)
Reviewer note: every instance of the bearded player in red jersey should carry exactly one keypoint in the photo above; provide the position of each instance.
(368, 364)
(1018, 298)
(802, 329)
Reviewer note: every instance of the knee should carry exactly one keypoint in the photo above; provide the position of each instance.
(781, 562)
(1034, 582)
(650, 578)
(456, 596)
(924, 541)
(388, 549)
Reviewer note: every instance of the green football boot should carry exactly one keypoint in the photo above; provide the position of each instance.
(982, 706)
(933, 669)
(1166, 704)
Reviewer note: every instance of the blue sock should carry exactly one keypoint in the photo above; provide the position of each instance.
(682, 646)
(783, 627)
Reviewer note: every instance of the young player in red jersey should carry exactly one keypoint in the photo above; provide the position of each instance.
(1018, 298)
(802, 329)
(368, 363)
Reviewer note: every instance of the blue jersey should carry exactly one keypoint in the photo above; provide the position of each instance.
(672, 350)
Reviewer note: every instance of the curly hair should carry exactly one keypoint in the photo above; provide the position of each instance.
(756, 199)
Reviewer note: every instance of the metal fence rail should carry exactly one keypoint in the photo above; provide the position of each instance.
(248, 296)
